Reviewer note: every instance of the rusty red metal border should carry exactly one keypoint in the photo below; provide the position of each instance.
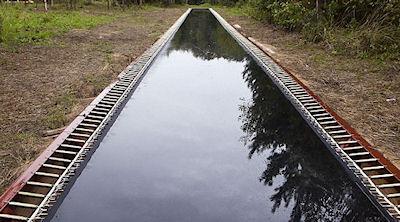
(375, 153)
(17, 185)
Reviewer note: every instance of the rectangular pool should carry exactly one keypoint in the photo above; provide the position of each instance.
(208, 137)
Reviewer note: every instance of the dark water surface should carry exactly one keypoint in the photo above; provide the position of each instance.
(208, 137)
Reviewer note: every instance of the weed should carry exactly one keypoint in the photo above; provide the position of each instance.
(97, 82)
(104, 47)
(91, 84)
(61, 107)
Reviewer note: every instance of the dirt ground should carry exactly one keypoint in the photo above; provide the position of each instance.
(364, 92)
(44, 87)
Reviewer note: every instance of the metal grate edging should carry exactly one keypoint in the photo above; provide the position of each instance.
(63, 158)
(347, 149)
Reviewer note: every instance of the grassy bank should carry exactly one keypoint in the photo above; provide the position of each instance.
(23, 24)
(44, 86)
(369, 30)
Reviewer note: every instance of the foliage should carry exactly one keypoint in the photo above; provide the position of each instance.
(289, 15)
(24, 25)
(359, 27)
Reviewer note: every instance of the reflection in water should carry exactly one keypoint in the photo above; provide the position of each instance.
(314, 180)
(315, 186)
(205, 38)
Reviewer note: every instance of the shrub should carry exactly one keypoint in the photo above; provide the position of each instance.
(315, 32)
(290, 15)
(380, 40)
(359, 27)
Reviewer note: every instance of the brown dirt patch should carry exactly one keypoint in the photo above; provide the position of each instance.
(359, 90)
(45, 87)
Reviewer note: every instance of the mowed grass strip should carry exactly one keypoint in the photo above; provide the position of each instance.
(23, 24)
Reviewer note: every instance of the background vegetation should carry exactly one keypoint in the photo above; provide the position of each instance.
(365, 28)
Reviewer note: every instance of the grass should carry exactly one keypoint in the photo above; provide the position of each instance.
(21, 139)
(97, 82)
(234, 11)
(13, 160)
(23, 24)
(104, 47)
(380, 43)
(57, 116)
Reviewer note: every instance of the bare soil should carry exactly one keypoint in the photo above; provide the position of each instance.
(44, 87)
(365, 92)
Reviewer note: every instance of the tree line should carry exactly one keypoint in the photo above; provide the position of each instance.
(359, 27)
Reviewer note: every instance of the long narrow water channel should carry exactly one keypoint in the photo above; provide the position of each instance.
(208, 137)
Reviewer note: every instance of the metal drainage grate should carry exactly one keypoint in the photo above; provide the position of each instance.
(370, 172)
(42, 190)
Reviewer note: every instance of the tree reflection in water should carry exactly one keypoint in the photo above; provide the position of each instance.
(313, 180)
(203, 36)
(314, 186)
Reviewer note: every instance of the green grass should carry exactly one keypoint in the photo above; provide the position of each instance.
(234, 11)
(22, 25)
